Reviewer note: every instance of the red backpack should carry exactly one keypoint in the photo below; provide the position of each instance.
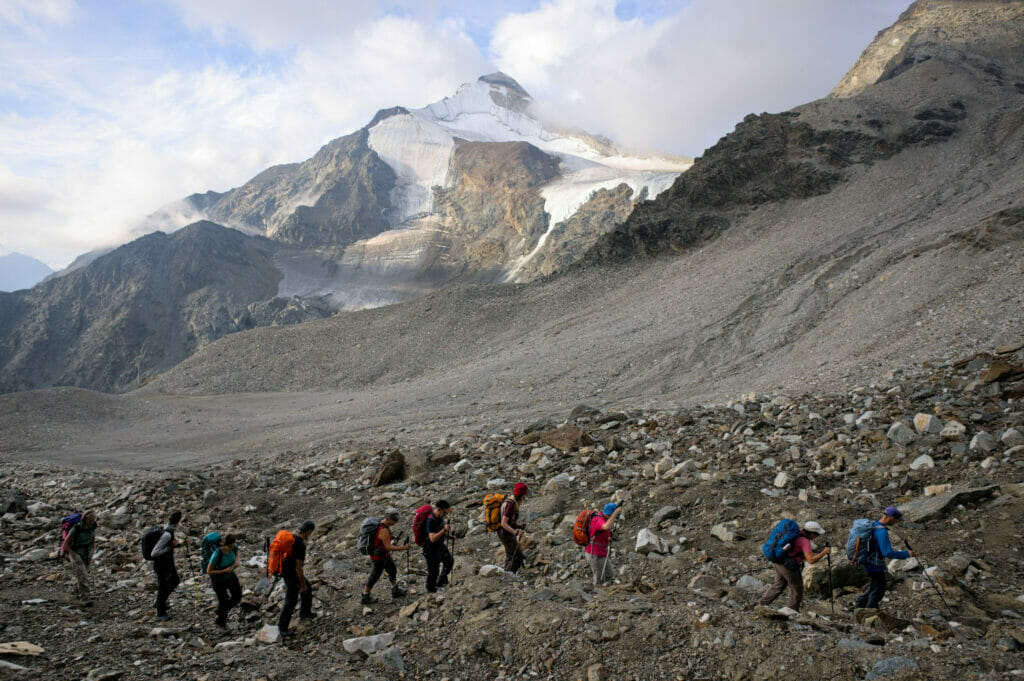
(581, 528)
(280, 549)
(419, 524)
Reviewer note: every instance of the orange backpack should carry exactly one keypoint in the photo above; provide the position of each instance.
(581, 528)
(280, 549)
(492, 511)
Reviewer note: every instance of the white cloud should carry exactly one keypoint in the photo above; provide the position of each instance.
(25, 14)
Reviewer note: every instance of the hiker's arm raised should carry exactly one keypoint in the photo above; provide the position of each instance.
(813, 558)
(611, 520)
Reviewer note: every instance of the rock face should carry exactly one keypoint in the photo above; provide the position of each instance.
(141, 309)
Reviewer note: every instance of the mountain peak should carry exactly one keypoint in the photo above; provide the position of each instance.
(504, 80)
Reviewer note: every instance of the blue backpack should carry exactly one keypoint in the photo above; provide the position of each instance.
(210, 543)
(780, 541)
(858, 543)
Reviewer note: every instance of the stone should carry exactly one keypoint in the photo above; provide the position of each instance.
(560, 481)
(1012, 438)
(928, 508)
(567, 438)
(903, 565)
(982, 442)
(12, 501)
(932, 490)
(844, 574)
(727, 532)
(749, 583)
(855, 644)
(490, 571)
(392, 468)
(927, 423)
(595, 672)
(996, 370)
(865, 417)
(463, 465)
(921, 462)
(781, 480)
(899, 433)
(665, 513)
(389, 658)
(210, 498)
(648, 542)
(497, 483)
(664, 465)
(368, 644)
(36, 556)
(268, 634)
(902, 668)
(953, 430)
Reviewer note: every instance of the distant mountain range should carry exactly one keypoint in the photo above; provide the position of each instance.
(18, 271)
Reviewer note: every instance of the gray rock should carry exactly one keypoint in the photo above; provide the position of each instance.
(12, 501)
(389, 658)
(1012, 438)
(928, 423)
(901, 434)
(855, 644)
(463, 465)
(893, 667)
(923, 461)
(922, 510)
(665, 513)
(727, 532)
(781, 480)
(953, 430)
(560, 481)
(749, 583)
(368, 644)
(210, 498)
(648, 542)
(982, 442)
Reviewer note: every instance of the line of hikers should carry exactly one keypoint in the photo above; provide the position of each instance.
(788, 548)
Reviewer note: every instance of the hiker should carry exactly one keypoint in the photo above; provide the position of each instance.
(163, 565)
(788, 573)
(380, 554)
(435, 551)
(596, 550)
(510, 530)
(878, 552)
(78, 546)
(221, 570)
(297, 586)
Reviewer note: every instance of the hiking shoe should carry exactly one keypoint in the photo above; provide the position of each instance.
(164, 617)
(367, 599)
(308, 616)
(286, 633)
(442, 582)
(397, 592)
(222, 626)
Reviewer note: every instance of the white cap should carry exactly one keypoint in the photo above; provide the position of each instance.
(811, 526)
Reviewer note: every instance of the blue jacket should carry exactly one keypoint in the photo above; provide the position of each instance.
(880, 550)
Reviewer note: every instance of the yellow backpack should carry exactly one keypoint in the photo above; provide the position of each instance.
(492, 511)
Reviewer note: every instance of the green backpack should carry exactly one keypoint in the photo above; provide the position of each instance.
(210, 543)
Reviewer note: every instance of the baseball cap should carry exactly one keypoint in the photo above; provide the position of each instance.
(307, 526)
(894, 512)
(393, 513)
(812, 526)
(609, 508)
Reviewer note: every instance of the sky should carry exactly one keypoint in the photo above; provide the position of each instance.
(110, 109)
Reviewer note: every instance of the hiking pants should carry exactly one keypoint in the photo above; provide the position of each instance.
(437, 557)
(80, 571)
(872, 594)
(602, 568)
(380, 567)
(229, 593)
(784, 577)
(513, 554)
(167, 580)
(291, 599)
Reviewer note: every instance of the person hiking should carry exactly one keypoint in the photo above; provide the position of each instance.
(223, 579)
(510, 531)
(788, 573)
(297, 586)
(596, 551)
(878, 552)
(380, 556)
(78, 547)
(163, 565)
(434, 550)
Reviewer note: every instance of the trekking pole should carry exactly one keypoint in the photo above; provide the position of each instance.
(831, 593)
(195, 579)
(929, 578)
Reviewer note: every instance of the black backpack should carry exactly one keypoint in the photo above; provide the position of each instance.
(149, 539)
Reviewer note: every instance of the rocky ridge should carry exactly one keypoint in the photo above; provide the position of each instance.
(701, 487)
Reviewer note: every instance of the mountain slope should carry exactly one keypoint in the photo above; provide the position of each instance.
(140, 309)
(18, 271)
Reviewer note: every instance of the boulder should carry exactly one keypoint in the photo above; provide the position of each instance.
(893, 668)
(368, 644)
(749, 583)
(567, 438)
(900, 434)
(268, 634)
(781, 480)
(953, 430)
(982, 442)
(844, 573)
(12, 501)
(490, 571)
(210, 498)
(1012, 438)
(389, 658)
(727, 532)
(928, 508)
(665, 513)
(560, 481)
(648, 542)
(463, 465)
(921, 462)
(927, 423)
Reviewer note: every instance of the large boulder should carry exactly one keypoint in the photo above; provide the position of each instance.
(844, 573)
(928, 508)
(12, 501)
(567, 438)
(392, 469)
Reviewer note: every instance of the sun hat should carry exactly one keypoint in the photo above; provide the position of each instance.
(812, 526)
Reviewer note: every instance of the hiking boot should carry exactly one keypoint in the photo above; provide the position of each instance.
(397, 592)
(222, 626)
(286, 633)
(442, 581)
(367, 599)
(307, 616)
(164, 617)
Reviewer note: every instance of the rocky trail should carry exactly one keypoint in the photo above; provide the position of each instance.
(945, 442)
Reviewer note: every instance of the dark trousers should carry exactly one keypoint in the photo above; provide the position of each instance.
(380, 567)
(229, 593)
(167, 580)
(291, 599)
(785, 576)
(437, 556)
(513, 554)
(872, 595)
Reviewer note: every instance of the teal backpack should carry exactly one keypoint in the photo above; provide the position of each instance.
(210, 543)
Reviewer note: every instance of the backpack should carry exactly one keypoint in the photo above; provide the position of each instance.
(419, 524)
(279, 550)
(149, 539)
(209, 544)
(367, 535)
(492, 511)
(780, 542)
(581, 528)
(66, 523)
(858, 543)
